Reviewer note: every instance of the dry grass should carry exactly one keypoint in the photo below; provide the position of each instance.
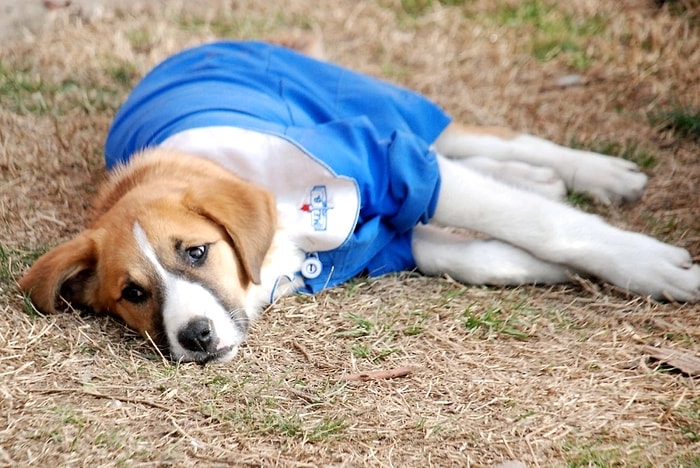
(548, 376)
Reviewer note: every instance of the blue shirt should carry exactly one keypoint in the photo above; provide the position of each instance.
(373, 132)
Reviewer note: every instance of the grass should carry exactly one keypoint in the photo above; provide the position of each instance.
(372, 353)
(494, 321)
(12, 260)
(362, 326)
(229, 25)
(418, 325)
(370, 339)
(25, 92)
(687, 418)
(417, 8)
(683, 120)
(687, 9)
(582, 201)
(22, 91)
(550, 375)
(260, 415)
(662, 227)
(630, 150)
(591, 455)
(548, 32)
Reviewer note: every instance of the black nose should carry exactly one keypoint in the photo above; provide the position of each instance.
(197, 335)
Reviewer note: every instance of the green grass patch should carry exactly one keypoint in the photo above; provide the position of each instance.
(12, 260)
(687, 419)
(379, 333)
(25, 91)
(588, 455)
(242, 26)
(362, 327)
(494, 320)
(683, 120)
(290, 425)
(293, 426)
(267, 418)
(417, 327)
(69, 416)
(581, 200)
(371, 353)
(549, 33)
(115, 439)
(325, 429)
(413, 330)
(687, 9)
(395, 71)
(123, 74)
(362, 351)
(663, 226)
(141, 40)
(28, 306)
(417, 8)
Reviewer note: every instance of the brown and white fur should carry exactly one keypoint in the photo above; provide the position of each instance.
(187, 253)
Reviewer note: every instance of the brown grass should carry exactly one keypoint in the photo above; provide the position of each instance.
(548, 376)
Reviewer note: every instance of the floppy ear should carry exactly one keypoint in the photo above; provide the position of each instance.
(66, 271)
(247, 213)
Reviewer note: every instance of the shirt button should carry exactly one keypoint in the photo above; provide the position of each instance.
(311, 268)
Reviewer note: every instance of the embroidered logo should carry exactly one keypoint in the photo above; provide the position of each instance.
(318, 207)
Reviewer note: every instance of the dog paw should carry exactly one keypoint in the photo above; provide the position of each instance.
(609, 179)
(659, 270)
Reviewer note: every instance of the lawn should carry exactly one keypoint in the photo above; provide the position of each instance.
(548, 376)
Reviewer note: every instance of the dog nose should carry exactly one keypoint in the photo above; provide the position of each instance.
(197, 335)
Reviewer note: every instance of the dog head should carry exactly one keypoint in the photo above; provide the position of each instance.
(174, 254)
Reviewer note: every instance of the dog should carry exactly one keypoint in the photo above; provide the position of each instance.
(241, 172)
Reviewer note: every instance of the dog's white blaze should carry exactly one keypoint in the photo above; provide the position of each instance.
(184, 301)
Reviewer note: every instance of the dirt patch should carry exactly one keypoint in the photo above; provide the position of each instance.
(548, 376)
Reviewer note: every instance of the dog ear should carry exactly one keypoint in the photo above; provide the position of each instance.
(66, 271)
(248, 214)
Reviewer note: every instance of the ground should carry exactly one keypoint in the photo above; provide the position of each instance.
(548, 376)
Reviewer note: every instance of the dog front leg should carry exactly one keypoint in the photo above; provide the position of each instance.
(562, 235)
(609, 179)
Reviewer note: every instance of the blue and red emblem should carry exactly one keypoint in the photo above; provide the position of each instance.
(318, 207)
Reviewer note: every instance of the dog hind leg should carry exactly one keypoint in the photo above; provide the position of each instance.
(559, 234)
(477, 261)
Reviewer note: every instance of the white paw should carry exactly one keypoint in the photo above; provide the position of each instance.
(609, 179)
(606, 178)
(652, 268)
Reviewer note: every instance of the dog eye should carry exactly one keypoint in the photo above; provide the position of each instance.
(196, 255)
(134, 293)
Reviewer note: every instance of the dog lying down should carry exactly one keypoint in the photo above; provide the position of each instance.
(245, 171)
